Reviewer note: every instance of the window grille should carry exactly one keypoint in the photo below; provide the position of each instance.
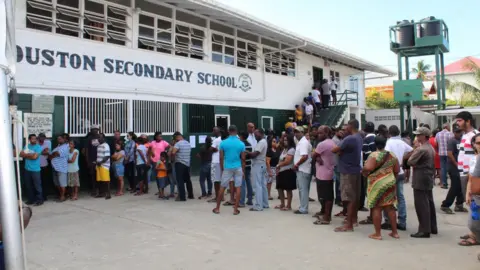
(152, 116)
(101, 20)
(109, 114)
(201, 118)
(283, 63)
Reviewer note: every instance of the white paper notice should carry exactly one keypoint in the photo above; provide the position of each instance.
(192, 141)
(202, 138)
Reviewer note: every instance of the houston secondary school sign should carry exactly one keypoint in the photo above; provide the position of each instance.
(47, 57)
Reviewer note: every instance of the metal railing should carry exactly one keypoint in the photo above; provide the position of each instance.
(347, 97)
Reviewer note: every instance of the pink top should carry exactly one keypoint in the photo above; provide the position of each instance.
(158, 148)
(324, 150)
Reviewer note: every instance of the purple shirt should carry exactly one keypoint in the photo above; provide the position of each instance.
(324, 152)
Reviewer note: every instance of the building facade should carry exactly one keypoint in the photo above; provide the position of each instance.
(151, 65)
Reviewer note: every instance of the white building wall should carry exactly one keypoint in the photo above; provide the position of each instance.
(390, 117)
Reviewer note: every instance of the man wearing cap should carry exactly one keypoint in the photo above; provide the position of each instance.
(91, 156)
(455, 192)
(45, 169)
(303, 151)
(232, 164)
(422, 159)
(182, 152)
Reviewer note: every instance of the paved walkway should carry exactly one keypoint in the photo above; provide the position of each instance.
(145, 233)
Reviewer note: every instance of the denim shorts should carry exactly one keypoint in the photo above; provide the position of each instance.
(119, 170)
(228, 174)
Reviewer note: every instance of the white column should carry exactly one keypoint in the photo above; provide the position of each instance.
(130, 115)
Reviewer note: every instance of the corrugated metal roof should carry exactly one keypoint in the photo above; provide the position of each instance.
(240, 19)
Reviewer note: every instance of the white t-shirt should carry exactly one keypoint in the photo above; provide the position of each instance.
(303, 148)
(333, 86)
(215, 144)
(309, 109)
(315, 94)
(398, 147)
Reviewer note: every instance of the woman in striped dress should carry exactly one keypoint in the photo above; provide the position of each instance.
(381, 168)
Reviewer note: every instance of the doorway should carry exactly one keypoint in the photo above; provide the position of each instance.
(222, 121)
(267, 122)
(317, 75)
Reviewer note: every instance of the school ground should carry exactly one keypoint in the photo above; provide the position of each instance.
(145, 233)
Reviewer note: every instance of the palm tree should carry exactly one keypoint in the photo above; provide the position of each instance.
(467, 93)
(421, 70)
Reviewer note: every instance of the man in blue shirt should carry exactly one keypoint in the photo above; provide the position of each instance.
(232, 164)
(59, 158)
(33, 180)
(350, 152)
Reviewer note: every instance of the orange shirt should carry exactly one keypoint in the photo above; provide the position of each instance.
(161, 169)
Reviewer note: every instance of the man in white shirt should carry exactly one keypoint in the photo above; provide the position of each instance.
(215, 171)
(309, 113)
(303, 151)
(251, 135)
(259, 171)
(333, 90)
(402, 151)
(317, 96)
(325, 93)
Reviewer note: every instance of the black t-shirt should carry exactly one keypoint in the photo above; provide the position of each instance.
(453, 146)
(92, 144)
(274, 157)
(205, 155)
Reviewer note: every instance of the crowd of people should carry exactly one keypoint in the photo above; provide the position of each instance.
(359, 170)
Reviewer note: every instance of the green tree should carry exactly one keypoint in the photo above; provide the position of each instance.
(377, 101)
(421, 70)
(468, 95)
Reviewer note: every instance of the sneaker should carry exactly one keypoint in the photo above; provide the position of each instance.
(460, 209)
(447, 210)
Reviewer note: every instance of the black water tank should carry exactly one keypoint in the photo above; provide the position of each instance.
(432, 28)
(405, 36)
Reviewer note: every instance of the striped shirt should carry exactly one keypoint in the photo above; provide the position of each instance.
(248, 160)
(103, 151)
(368, 146)
(183, 152)
(466, 152)
(442, 138)
(60, 163)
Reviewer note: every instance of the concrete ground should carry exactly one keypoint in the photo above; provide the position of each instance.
(145, 233)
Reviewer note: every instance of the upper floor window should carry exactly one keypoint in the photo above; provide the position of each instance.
(223, 49)
(96, 20)
(247, 54)
(335, 75)
(279, 62)
(155, 33)
(189, 41)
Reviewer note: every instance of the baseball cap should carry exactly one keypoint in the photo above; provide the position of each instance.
(300, 129)
(422, 131)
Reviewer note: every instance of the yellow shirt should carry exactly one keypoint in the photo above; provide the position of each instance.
(299, 114)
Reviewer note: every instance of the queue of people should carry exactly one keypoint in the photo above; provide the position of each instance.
(357, 169)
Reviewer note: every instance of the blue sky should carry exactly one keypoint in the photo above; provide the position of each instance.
(360, 27)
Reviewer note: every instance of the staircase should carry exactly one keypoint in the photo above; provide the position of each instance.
(335, 114)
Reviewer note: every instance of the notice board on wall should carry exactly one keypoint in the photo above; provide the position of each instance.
(37, 123)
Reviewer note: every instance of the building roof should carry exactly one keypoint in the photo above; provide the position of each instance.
(237, 18)
(459, 66)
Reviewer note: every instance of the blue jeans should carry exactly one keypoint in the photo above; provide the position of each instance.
(401, 206)
(443, 169)
(246, 188)
(303, 186)
(205, 174)
(259, 174)
(33, 183)
(336, 178)
(172, 178)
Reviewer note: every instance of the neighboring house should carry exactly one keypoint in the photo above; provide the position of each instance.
(457, 72)
(429, 90)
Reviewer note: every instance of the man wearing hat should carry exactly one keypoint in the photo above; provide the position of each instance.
(455, 192)
(422, 159)
(91, 156)
(303, 151)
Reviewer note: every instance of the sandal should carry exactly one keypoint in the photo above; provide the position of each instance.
(465, 237)
(229, 203)
(212, 200)
(279, 207)
(468, 242)
(236, 212)
(216, 211)
(340, 214)
(286, 209)
(321, 222)
(342, 229)
(317, 214)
